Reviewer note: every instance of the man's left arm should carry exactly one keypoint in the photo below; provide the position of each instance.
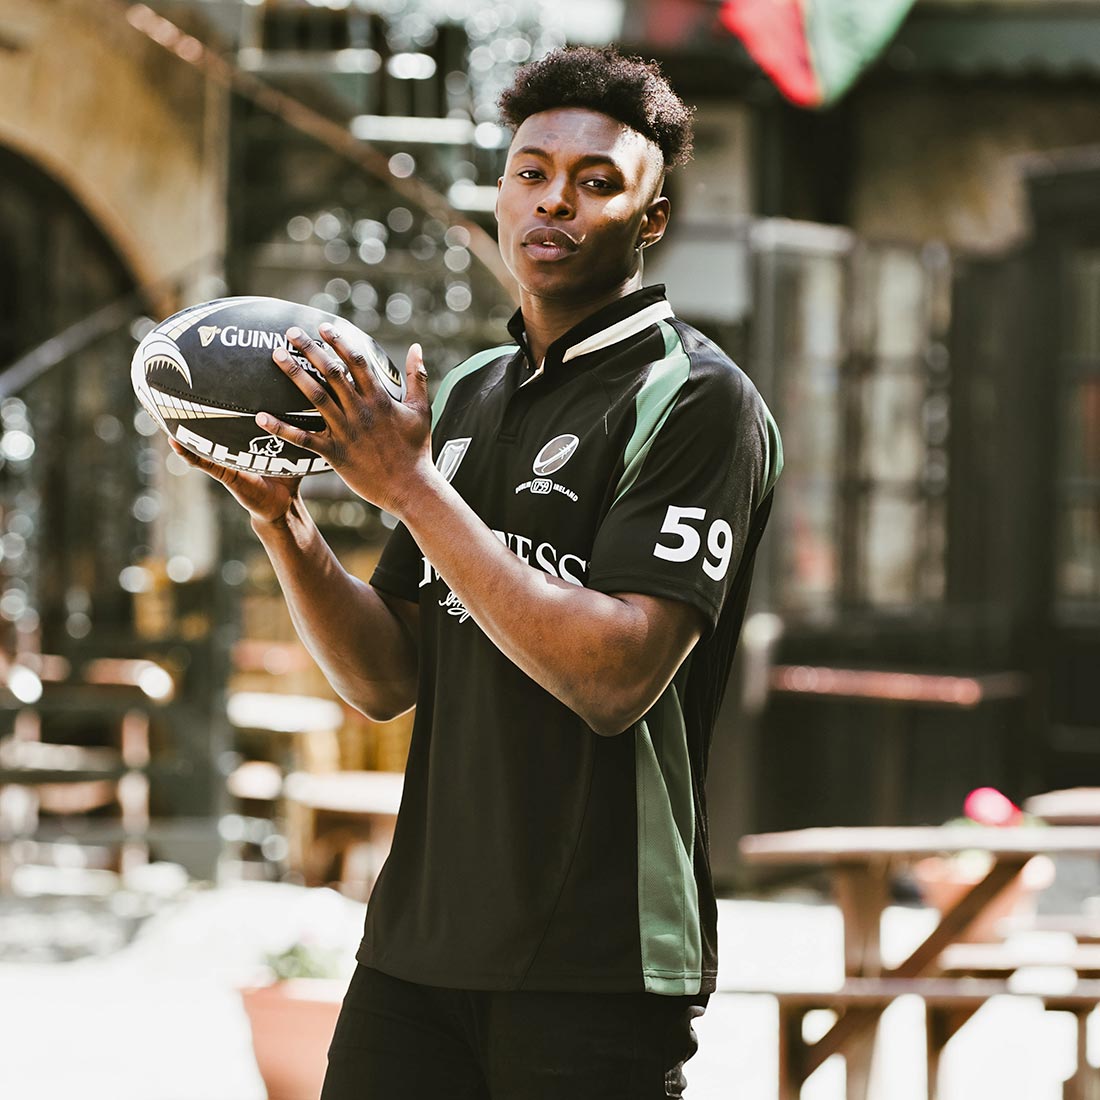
(607, 655)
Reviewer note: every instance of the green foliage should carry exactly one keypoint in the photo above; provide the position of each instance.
(1025, 819)
(302, 960)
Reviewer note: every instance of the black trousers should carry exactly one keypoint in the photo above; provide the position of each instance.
(396, 1040)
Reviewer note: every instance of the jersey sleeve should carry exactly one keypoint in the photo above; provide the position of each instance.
(400, 567)
(702, 460)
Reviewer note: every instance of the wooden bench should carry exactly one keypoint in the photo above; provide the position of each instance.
(949, 1003)
(1072, 806)
(992, 960)
(1083, 927)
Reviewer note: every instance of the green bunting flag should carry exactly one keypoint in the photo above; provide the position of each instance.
(814, 49)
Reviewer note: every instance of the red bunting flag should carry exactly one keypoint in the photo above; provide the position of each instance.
(814, 49)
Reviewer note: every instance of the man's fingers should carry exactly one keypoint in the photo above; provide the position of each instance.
(197, 461)
(266, 499)
(318, 357)
(416, 379)
(338, 371)
(311, 441)
(236, 481)
(348, 344)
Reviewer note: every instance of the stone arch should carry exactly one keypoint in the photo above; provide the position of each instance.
(136, 136)
(59, 269)
(116, 232)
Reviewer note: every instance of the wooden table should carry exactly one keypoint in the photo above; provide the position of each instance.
(860, 862)
(1072, 806)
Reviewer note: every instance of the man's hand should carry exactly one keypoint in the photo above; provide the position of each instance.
(267, 499)
(332, 610)
(374, 443)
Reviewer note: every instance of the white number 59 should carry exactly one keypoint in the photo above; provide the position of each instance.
(679, 523)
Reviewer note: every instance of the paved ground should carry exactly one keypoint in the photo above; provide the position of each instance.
(159, 1019)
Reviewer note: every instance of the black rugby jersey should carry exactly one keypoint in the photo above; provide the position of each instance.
(530, 852)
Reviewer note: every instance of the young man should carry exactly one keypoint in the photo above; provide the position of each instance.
(579, 514)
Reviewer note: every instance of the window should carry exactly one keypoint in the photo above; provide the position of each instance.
(1077, 568)
(853, 337)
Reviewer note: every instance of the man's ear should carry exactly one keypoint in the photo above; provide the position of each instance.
(654, 222)
(496, 212)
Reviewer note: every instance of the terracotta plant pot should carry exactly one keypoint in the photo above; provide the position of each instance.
(292, 1024)
(942, 881)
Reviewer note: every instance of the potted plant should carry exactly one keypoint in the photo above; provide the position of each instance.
(292, 1017)
(942, 880)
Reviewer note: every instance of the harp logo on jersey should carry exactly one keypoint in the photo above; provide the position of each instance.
(451, 455)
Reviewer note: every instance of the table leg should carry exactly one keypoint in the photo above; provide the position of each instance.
(941, 1024)
(858, 1056)
(935, 1039)
(797, 1058)
(959, 917)
(1085, 1082)
(862, 893)
(841, 1037)
(792, 1051)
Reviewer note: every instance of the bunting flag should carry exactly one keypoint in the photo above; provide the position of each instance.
(814, 49)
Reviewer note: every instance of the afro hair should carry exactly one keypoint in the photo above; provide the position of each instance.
(629, 89)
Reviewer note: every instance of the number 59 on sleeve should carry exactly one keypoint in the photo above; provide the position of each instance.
(680, 524)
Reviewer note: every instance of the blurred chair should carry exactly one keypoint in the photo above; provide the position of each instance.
(274, 734)
(252, 832)
(73, 767)
(297, 732)
(341, 826)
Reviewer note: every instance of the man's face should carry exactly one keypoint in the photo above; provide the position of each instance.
(578, 194)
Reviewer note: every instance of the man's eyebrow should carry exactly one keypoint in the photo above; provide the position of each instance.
(584, 161)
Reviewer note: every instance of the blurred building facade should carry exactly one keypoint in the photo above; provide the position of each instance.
(909, 276)
(923, 333)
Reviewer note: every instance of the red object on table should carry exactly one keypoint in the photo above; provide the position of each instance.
(987, 806)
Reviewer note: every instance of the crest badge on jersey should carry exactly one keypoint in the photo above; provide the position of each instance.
(555, 454)
(451, 455)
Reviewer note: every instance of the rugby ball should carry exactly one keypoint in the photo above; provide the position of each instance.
(205, 372)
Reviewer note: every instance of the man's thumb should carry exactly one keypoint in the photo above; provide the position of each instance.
(416, 378)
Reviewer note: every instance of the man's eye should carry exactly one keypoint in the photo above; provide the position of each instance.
(599, 185)
(529, 174)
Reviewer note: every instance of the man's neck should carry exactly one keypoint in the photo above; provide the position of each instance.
(547, 319)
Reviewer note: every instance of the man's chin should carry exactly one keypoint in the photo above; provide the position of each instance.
(560, 289)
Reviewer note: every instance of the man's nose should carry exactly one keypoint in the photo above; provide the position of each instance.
(555, 201)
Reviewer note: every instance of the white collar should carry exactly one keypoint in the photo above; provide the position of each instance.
(621, 330)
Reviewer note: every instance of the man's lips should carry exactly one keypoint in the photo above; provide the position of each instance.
(547, 243)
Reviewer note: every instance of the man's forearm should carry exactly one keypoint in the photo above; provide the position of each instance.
(607, 658)
(363, 648)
